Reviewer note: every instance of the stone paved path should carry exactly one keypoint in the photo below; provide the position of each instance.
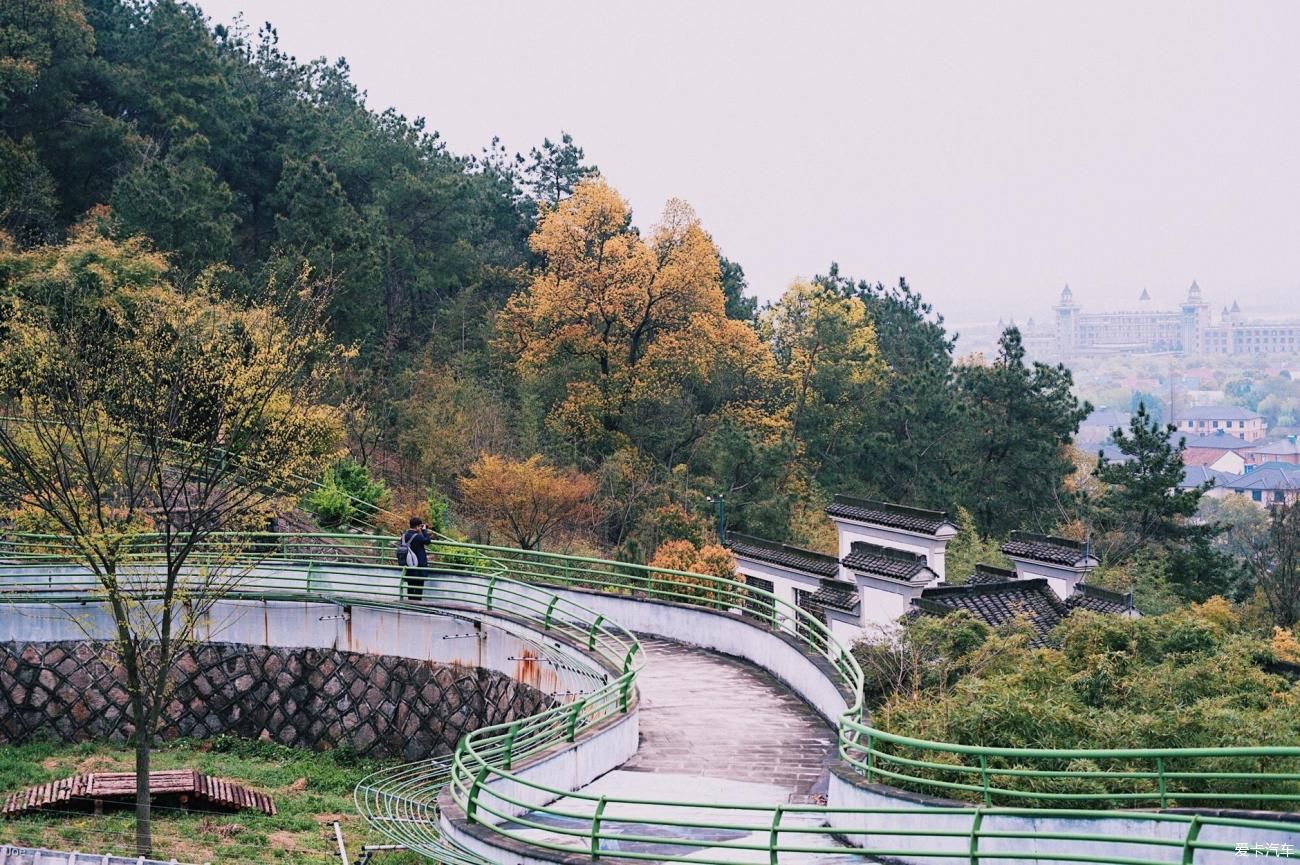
(717, 717)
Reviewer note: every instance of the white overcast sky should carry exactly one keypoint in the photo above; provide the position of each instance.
(988, 151)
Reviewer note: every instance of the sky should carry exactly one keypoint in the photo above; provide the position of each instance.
(989, 152)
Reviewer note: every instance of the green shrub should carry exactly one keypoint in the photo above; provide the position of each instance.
(347, 496)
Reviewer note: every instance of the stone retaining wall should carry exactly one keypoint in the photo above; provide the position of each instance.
(383, 706)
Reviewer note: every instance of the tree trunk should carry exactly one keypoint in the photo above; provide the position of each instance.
(143, 828)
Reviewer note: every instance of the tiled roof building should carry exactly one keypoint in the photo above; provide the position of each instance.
(999, 604)
(882, 561)
(889, 515)
(796, 558)
(1046, 548)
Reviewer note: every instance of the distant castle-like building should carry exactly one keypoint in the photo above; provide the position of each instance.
(1186, 330)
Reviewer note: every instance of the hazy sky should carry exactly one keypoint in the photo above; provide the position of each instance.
(989, 151)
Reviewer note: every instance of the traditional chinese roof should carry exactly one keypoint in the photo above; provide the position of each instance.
(997, 604)
(889, 515)
(838, 595)
(775, 553)
(985, 574)
(884, 562)
(1099, 600)
(1046, 548)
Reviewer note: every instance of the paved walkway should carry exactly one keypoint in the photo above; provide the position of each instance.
(713, 730)
(717, 717)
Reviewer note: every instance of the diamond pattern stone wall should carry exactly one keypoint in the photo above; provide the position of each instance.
(380, 705)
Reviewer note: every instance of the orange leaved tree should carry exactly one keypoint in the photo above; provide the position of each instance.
(525, 500)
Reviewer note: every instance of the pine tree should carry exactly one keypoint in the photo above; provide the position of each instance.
(1142, 502)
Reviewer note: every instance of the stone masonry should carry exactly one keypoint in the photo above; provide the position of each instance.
(380, 705)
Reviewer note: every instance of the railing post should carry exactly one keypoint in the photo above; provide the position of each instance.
(1189, 842)
(546, 621)
(471, 807)
(311, 570)
(624, 690)
(984, 779)
(627, 662)
(975, 825)
(571, 733)
(492, 587)
(772, 835)
(595, 828)
(508, 757)
(591, 639)
(1160, 774)
(871, 758)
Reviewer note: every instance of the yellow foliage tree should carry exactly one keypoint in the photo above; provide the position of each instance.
(617, 316)
(711, 560)
(128, 406)
(825, 346)
(525, 500)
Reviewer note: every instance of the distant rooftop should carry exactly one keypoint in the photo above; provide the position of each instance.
(1269, 476)
(1220, 439)
(889, 515)
(985, 574)
(1282, 447)
(837, 595)
(1194, 476)
(1218, 412)
(998, 604)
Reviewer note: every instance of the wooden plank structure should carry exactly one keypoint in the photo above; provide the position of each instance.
(185, 787)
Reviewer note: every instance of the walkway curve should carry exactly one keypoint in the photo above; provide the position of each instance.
(761, 733)
(744, 830)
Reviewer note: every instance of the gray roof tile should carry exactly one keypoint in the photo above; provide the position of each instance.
(838, 595)
(884, 562)
(772, 552)
(888, 515)
(985, 574)
(998, 604)
(1044, 548)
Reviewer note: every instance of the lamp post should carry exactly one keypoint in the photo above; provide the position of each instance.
(719, 501)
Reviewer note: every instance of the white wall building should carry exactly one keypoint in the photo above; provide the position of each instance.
(896, 527)
(1062, 562)
(891, 563)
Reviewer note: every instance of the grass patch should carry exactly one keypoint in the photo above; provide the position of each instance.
(301, 833)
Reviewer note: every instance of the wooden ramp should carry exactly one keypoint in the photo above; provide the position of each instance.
(186, 787)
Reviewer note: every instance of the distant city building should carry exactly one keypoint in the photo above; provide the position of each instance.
(1270, 484)
(1099, 426)
(1219, 451)
(1187, 330)
(1286, 450)
(1233, 420)
(1197, 476)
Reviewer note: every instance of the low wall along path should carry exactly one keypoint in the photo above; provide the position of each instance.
(380, 705)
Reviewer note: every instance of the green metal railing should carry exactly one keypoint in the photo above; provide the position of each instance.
(485, 779)
(1241, 776)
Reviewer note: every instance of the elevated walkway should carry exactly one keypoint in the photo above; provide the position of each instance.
(729, 766)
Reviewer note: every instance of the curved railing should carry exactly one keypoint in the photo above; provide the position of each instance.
(484, 777)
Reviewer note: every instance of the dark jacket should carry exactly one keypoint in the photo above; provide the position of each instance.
(419, 543)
